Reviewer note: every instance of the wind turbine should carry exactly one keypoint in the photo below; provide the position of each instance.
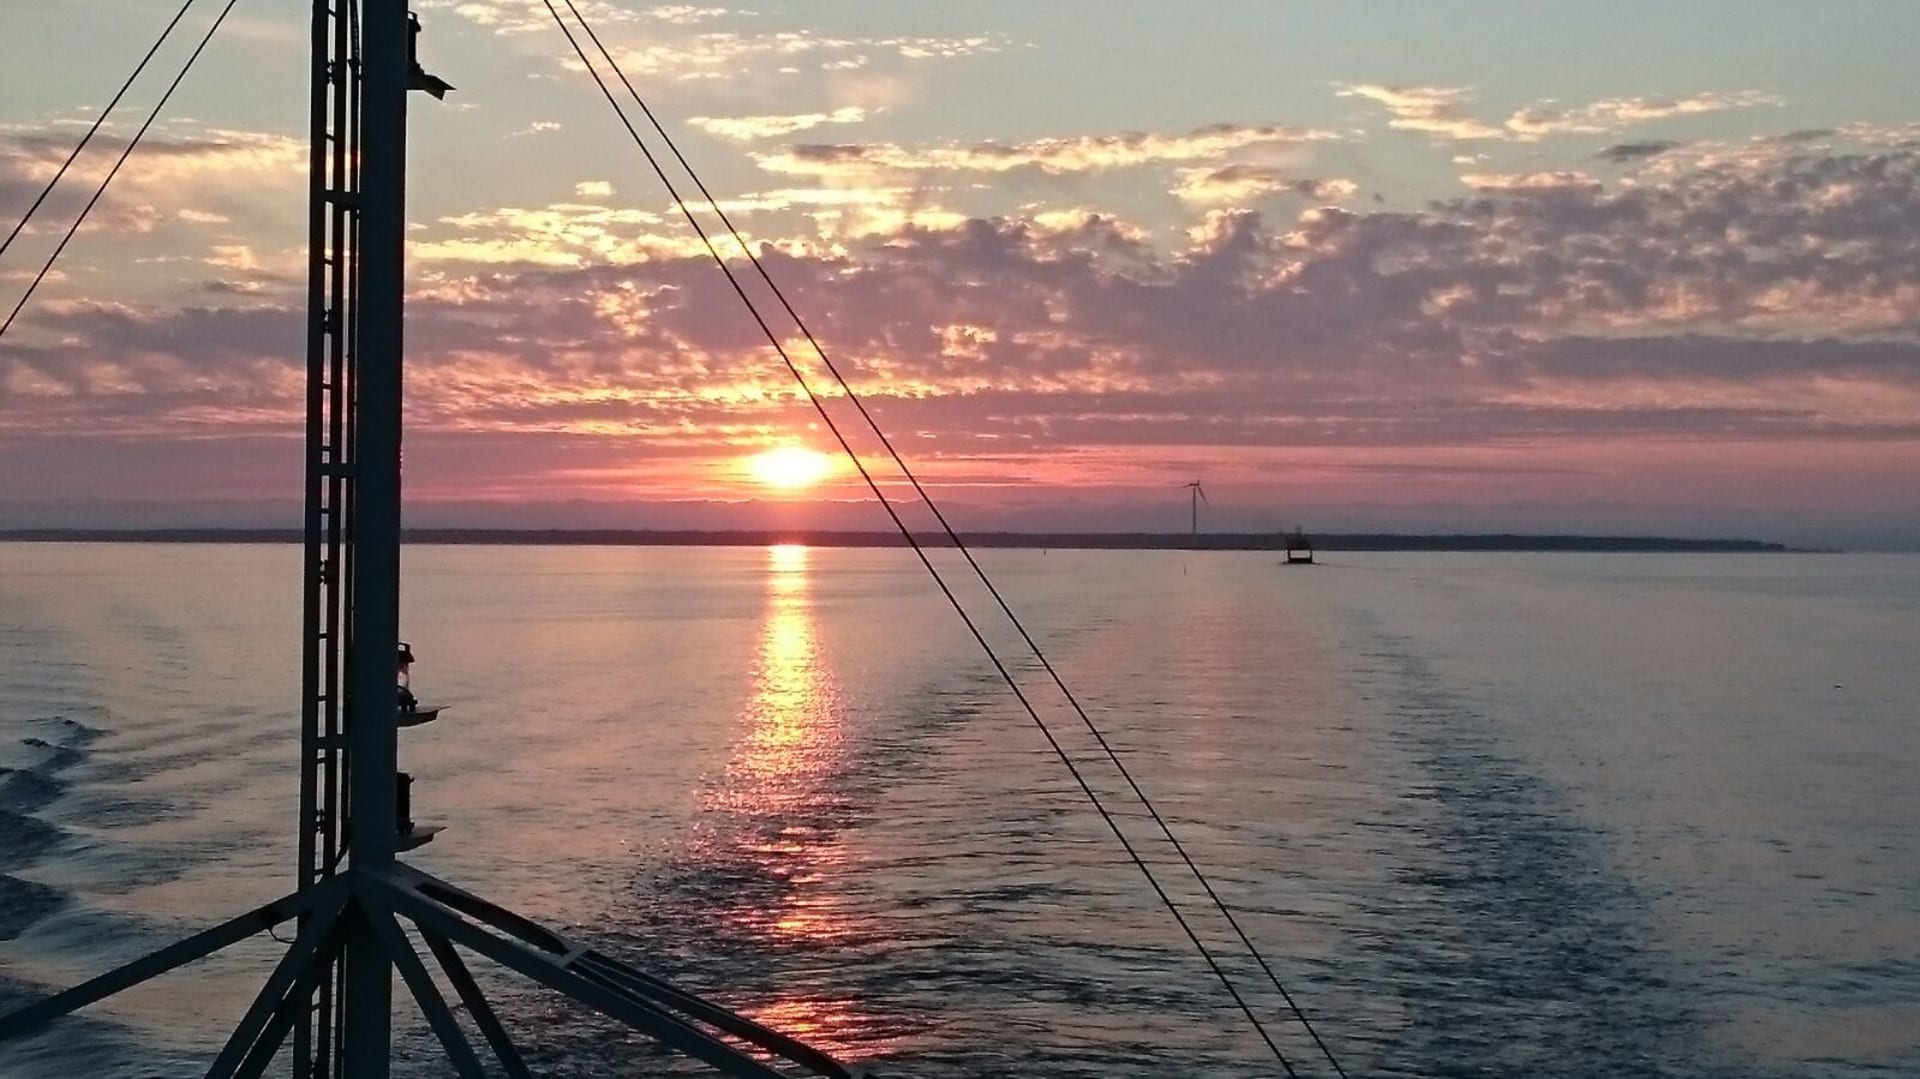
(1196, 495)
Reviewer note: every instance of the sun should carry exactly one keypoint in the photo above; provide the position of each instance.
(790, 468)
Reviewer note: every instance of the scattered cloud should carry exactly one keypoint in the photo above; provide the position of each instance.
(1443, 111)
(988, 297)
(687, 14)
(1769, 293)
(1615, 114)
(563, 234)
(1086, 153)
(1434, 110)
(210, 181)
(1240, 185)
(722, 54)
(1529, 181)
(508, 17)
(749, 128)
(162, 157)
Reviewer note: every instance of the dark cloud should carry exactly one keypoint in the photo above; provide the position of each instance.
(1637, 151)
(1694, 357)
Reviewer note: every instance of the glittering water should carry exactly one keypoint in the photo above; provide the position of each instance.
(1489, 815)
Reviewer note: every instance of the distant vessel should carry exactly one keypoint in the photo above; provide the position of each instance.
(327, 1008)
(1299, 548)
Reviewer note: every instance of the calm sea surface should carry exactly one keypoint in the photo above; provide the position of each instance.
(1489, 815)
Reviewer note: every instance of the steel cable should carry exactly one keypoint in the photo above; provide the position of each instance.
(115, 171)
(966, 552)
(949, 531)
(93, 130)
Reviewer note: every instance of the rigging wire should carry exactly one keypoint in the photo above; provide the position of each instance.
(115, 171)
(91, 131)
(953, 537)
(919, 552)
(951, 534)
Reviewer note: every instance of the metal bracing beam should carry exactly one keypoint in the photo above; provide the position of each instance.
(316, 931)
(291, 1008)
(551, 971)
(650, 990)
(476, 1005)
(426, 994)
(331, 993)
(489, 914)
(638, 982)
(198, 946)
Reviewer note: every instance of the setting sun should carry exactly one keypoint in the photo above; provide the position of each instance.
(790, 467)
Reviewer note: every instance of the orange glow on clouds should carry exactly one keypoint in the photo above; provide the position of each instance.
(790, 468)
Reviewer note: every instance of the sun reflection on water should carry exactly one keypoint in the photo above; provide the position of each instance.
(783, 808)
(794, 715)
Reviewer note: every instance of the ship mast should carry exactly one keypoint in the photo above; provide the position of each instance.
(357, 223)
(332, 991)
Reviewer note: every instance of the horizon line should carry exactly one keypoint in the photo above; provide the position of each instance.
(1007, 539)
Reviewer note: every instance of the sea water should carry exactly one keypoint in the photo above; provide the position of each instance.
(1485, 815)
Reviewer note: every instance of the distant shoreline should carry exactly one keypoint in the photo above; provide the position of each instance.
(1104, 541)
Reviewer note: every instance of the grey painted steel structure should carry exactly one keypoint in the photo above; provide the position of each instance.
(332, 990)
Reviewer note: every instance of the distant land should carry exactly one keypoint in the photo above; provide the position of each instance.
(1103, 541)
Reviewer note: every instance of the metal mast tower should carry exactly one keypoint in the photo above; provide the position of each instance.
(333, 988)
(356, 223)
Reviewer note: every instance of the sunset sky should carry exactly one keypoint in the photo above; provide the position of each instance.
(1626, 267)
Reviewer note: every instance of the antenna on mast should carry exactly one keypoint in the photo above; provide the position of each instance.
(333, 988)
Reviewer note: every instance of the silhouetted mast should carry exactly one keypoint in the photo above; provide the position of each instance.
(332, 991)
